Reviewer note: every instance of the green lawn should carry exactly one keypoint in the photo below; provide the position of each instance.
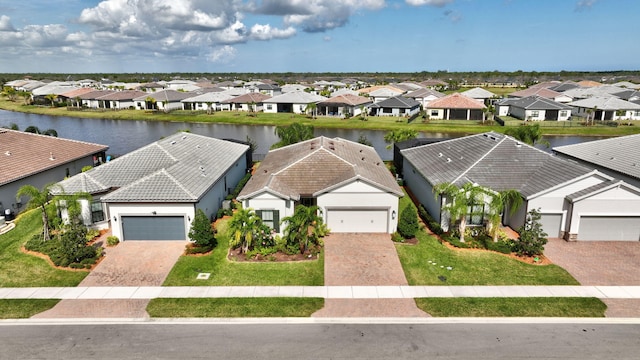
(512, 307)
(24, 308)
(235, 307)
(470, 267)
(229, 273)
(21, 270)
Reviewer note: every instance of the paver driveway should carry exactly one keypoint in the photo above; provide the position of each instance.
(613, 263)
(364, 259)
(131, 263)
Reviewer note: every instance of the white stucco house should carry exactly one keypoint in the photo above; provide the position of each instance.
(534, 108)
(152, 193)
(352, 187)
(576, 202)
(291, 102)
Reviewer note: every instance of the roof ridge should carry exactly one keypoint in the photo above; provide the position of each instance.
(480, 159)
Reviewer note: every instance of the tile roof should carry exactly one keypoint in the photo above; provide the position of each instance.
(346, 99)
(621, 154)
(492, 160)
(369, 89)
(296, 97)
(478, 93)
(605, 103)
(213, 97)
(538, 103)
(257, 98)
(423, 93)
(399, 102)
(455, 101)
(77, 92)
(165, 95)
(95, 94)
(122, 95)
(180, 168)
(542, 92)
(23, 154)
(315, 166)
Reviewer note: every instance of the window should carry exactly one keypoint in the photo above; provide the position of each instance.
(475, 214)
(97, 214)
(271, 218)
(435, 113)
(269, 107)
(636, 113)
(563, 113)
(535, 113)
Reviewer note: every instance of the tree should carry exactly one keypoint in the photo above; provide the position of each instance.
(26, 95)
(532, 237)
(363, 112)
(399, 135)
(292, 134)
(304, 227)
(620, 114)
(35, 130)
(150, 103)
(528, 134)
(501, 200)
(364, 140)
(38, 199)
(201, 232)
(243, 227)
(461, 202)
(10, 93)
(408, 222)
(209, 108)
(311, 108)
(489, 112)
(52, 98)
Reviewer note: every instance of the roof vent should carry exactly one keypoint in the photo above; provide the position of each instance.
(448, 160)
(612, 158)
(8, 153)
(439, 154)
(201, 168)
(51, 157)
(173, 142)
(184, 137)
(362, 159)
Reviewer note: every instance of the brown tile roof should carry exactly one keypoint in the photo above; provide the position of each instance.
(77, 92)
(348, 99)
(248, 98)
(588, 83)
(24, 154)
(368, 90)
(455, 101)
(95, 94)
(312, 167)
(123, 95)
(542, 92)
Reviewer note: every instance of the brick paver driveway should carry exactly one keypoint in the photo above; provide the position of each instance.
(131, 263)
(601, 263)
(365, 260)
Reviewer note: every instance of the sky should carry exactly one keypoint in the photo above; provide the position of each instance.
(128, 36)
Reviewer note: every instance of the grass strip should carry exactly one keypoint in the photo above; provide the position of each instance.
(513, 307)
(234, 307)
(24, 308)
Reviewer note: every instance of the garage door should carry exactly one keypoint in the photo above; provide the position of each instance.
(357, 220)
(153, 228)
(551, 224)
(602, 228)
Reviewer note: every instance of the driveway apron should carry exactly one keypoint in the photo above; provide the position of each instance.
(601, 263)
(130, 263)
(364, 260)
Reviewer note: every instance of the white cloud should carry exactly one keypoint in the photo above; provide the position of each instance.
(5, 23)
(222, 55)
(584, 4)
(266, 32)
(437, 3)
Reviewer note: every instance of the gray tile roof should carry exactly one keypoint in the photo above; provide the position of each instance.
(312, 167)
(538, 103)
(621, 154)
(295, 97)
(179, 168)
(399, 102)
(605, 103)
(165, 95)
(492, 160)
(423, 93)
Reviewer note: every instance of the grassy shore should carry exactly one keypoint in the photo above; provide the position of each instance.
(371, 122)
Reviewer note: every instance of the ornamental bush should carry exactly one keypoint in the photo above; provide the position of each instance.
(201, 232)
(408, 222)
(532, 238)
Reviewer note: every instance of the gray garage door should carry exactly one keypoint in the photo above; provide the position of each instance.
(551, 224)
(602, 228)
(153, 228)
(357, 220)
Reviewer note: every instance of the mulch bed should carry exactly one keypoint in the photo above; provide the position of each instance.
(235, 255)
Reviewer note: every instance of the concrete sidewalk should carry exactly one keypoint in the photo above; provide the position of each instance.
(327, 292)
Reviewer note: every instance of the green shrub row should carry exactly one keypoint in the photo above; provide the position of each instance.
(239, 187)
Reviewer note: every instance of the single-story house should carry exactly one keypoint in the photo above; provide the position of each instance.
(542, 92)
(161, 100)
(344, 105)
(119, 99)
(352, 187)
(247, 102)
(576, 202)
(382, 94)
(424, 96)
(153, 193)
(396, 106)
(90, 99)
(479, 94)
(455, 107)
(605, 108)
(535, 108)
(214, 100)
(291, 102)
(617, 156)
(37, 160)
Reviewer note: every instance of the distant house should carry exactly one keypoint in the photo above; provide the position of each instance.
(266, 89)
(424, 96)
(605, 108)
(161, 100)
(291, 102)
(90, 99)
(153, 193)
(542, 92)
(535, 108)
(349, 183)
(396, 106)
(119, 99)
(455, 107)
(247, 102)
(576, 202)
(210, 101)
(479, 94)
(30, 159)
(382, 94)
(344, 105)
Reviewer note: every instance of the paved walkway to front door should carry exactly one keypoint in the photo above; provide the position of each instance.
(364, 260)
(130, 263)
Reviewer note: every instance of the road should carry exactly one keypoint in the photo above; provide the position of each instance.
(476, 340)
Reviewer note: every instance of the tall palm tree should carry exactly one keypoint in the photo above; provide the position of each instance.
(499, 201)
(461, 202)
(312, 109)
(243, 226)
(489, 113)
(38, 199)
(52, 98)
(303, 227)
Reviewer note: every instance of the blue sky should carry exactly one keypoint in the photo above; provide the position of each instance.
(79, 36)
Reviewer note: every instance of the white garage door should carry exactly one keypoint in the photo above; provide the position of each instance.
(616, 228)
(357, 220)
(551, 224)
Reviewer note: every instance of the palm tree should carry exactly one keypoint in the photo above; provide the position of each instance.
(243, 226)
(311, 108)
(399, 135)
(35, 130)
(499, 201)
(209, 109)
(292, 134)
(363, 112)
(461, 202)
(10, 93)
(529, 134)
(489, 112)
(26, 96)
(620, 113)
(303, 227)
(38, 199)
(150, 103)
(52, 98)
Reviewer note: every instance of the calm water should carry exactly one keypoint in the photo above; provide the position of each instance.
(124, 136)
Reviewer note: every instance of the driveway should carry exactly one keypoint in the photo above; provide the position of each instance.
(130, 263)
(364, 260)
(613, 263)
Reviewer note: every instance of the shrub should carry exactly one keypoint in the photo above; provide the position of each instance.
(430, 221)
(532, 237)
(396, 237)
(112, 240)
(408, 222)
(239, 187)
(201, 232)
(92, 234)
